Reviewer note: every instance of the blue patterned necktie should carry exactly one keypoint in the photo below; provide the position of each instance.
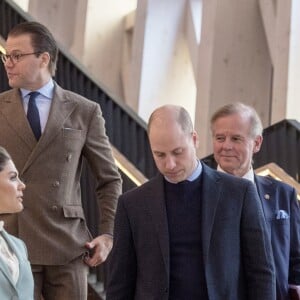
(33, 115)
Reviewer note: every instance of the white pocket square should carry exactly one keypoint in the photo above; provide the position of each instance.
(281, 214)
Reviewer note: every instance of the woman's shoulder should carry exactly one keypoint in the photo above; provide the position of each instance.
(16, 242)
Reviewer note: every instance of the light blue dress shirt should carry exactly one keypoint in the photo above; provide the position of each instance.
(195, 174)
(43, 101)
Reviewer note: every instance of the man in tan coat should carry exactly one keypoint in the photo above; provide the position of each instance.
(48, 152)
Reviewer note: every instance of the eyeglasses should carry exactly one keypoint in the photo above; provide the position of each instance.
(15, 57)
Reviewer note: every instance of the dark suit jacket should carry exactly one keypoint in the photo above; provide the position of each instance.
(236, 247)
(23, 289)
(52, 223)
(282, 213)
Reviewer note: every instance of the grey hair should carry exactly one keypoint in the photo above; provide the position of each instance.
(256, 127)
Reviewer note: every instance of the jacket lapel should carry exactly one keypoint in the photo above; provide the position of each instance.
(211, 190)
(155, 199)
(12, 105)
(266, 195)
(62, 106)
(3, 266)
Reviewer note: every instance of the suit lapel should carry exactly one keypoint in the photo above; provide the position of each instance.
(62, 106)
(3, 265)
(11, 105)
(155, 200)
(265, 191)
(5, 271)
(211, 190)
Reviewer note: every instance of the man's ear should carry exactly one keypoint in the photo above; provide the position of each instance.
(257, 143)
(45, 59)
(195, 139)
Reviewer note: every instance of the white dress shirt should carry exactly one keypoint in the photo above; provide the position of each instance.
(249, 175)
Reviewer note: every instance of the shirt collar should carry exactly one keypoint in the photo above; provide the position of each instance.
(249, 175)
(47, 90)
(196, 173)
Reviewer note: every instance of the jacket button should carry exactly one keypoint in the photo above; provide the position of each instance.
(56, 183)
(54, 208)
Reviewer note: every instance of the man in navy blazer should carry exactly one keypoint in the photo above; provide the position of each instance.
(190, 232)
(237, 135)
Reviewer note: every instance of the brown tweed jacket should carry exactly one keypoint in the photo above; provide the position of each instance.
(52, 223)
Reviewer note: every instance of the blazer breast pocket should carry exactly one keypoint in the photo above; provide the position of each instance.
(72, 133)
(281, 217)
(281, 222)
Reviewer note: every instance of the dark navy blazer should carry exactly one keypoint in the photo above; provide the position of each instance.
(237, 253)
(282, 213)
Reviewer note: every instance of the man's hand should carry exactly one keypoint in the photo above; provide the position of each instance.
(99, 249)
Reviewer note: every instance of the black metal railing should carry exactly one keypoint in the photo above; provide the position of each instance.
(281, 145)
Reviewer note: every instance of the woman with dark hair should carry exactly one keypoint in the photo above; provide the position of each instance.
(16, 281)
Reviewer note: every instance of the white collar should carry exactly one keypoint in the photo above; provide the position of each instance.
(249, 175)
